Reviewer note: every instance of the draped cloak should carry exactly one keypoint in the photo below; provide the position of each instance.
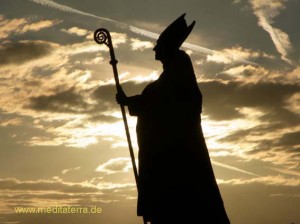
(176, 178)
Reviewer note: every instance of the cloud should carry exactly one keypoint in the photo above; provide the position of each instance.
(60, 186)
(22, 25)
(7, 27)
(10, 122)
(63, 102)
(266, 11)
(231, 55)
(52, 90)
(278, 180)
(70, 170)
(293, 103)
(248, 74)
(76, 31)
(272, 143)
(103, 118)
(107, 92)
(271, 130)
(290, 139)
(287, 171)
(36, 26)
(41, 69)
(89, 104)
(45, 86)
(23, 51)
(47, 185)
(267, 96)
(116, 165)
(137, 44)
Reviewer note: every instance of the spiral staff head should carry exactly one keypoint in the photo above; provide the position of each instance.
(102, 36)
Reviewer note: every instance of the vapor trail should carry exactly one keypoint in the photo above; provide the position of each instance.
(125, 26)
(233, 168)
(68, 9)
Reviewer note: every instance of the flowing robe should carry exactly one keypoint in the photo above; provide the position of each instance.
(176, 179)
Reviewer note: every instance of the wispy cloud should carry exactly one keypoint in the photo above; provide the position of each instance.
(230, 55)
(76, 31)
(287, 171)
(137, 44)
(116, 165)
(38, 25)
(266, 11)
(22, 25)
(70, 170)
(9, 26)
(278, 180)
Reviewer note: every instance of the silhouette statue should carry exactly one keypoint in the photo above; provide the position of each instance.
(176, 179)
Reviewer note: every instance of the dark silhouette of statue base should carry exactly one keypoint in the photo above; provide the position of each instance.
(176, 179)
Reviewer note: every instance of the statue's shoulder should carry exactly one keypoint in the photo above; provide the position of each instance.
(182, 55)
(182, 58)
(151, 86)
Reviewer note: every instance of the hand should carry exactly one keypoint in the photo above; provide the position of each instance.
(121, 98)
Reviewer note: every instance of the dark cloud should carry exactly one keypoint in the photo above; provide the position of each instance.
(290, 139)
(72, 101)
(18, 53)
(106, 93)
(221, 100)
(287, 142)
(68, 101)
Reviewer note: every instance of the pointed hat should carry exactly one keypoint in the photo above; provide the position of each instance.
(176, 33)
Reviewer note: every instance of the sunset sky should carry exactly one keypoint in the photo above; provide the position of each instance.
(62, 137)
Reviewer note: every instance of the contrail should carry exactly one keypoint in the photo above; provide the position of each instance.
(287, 171)
(68, 9)
(233, 168)
(125, 26)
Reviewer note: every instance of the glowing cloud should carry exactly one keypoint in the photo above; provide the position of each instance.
(116, 165)
(22, 25)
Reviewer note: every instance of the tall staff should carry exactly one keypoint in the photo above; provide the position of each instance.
(102, 36)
